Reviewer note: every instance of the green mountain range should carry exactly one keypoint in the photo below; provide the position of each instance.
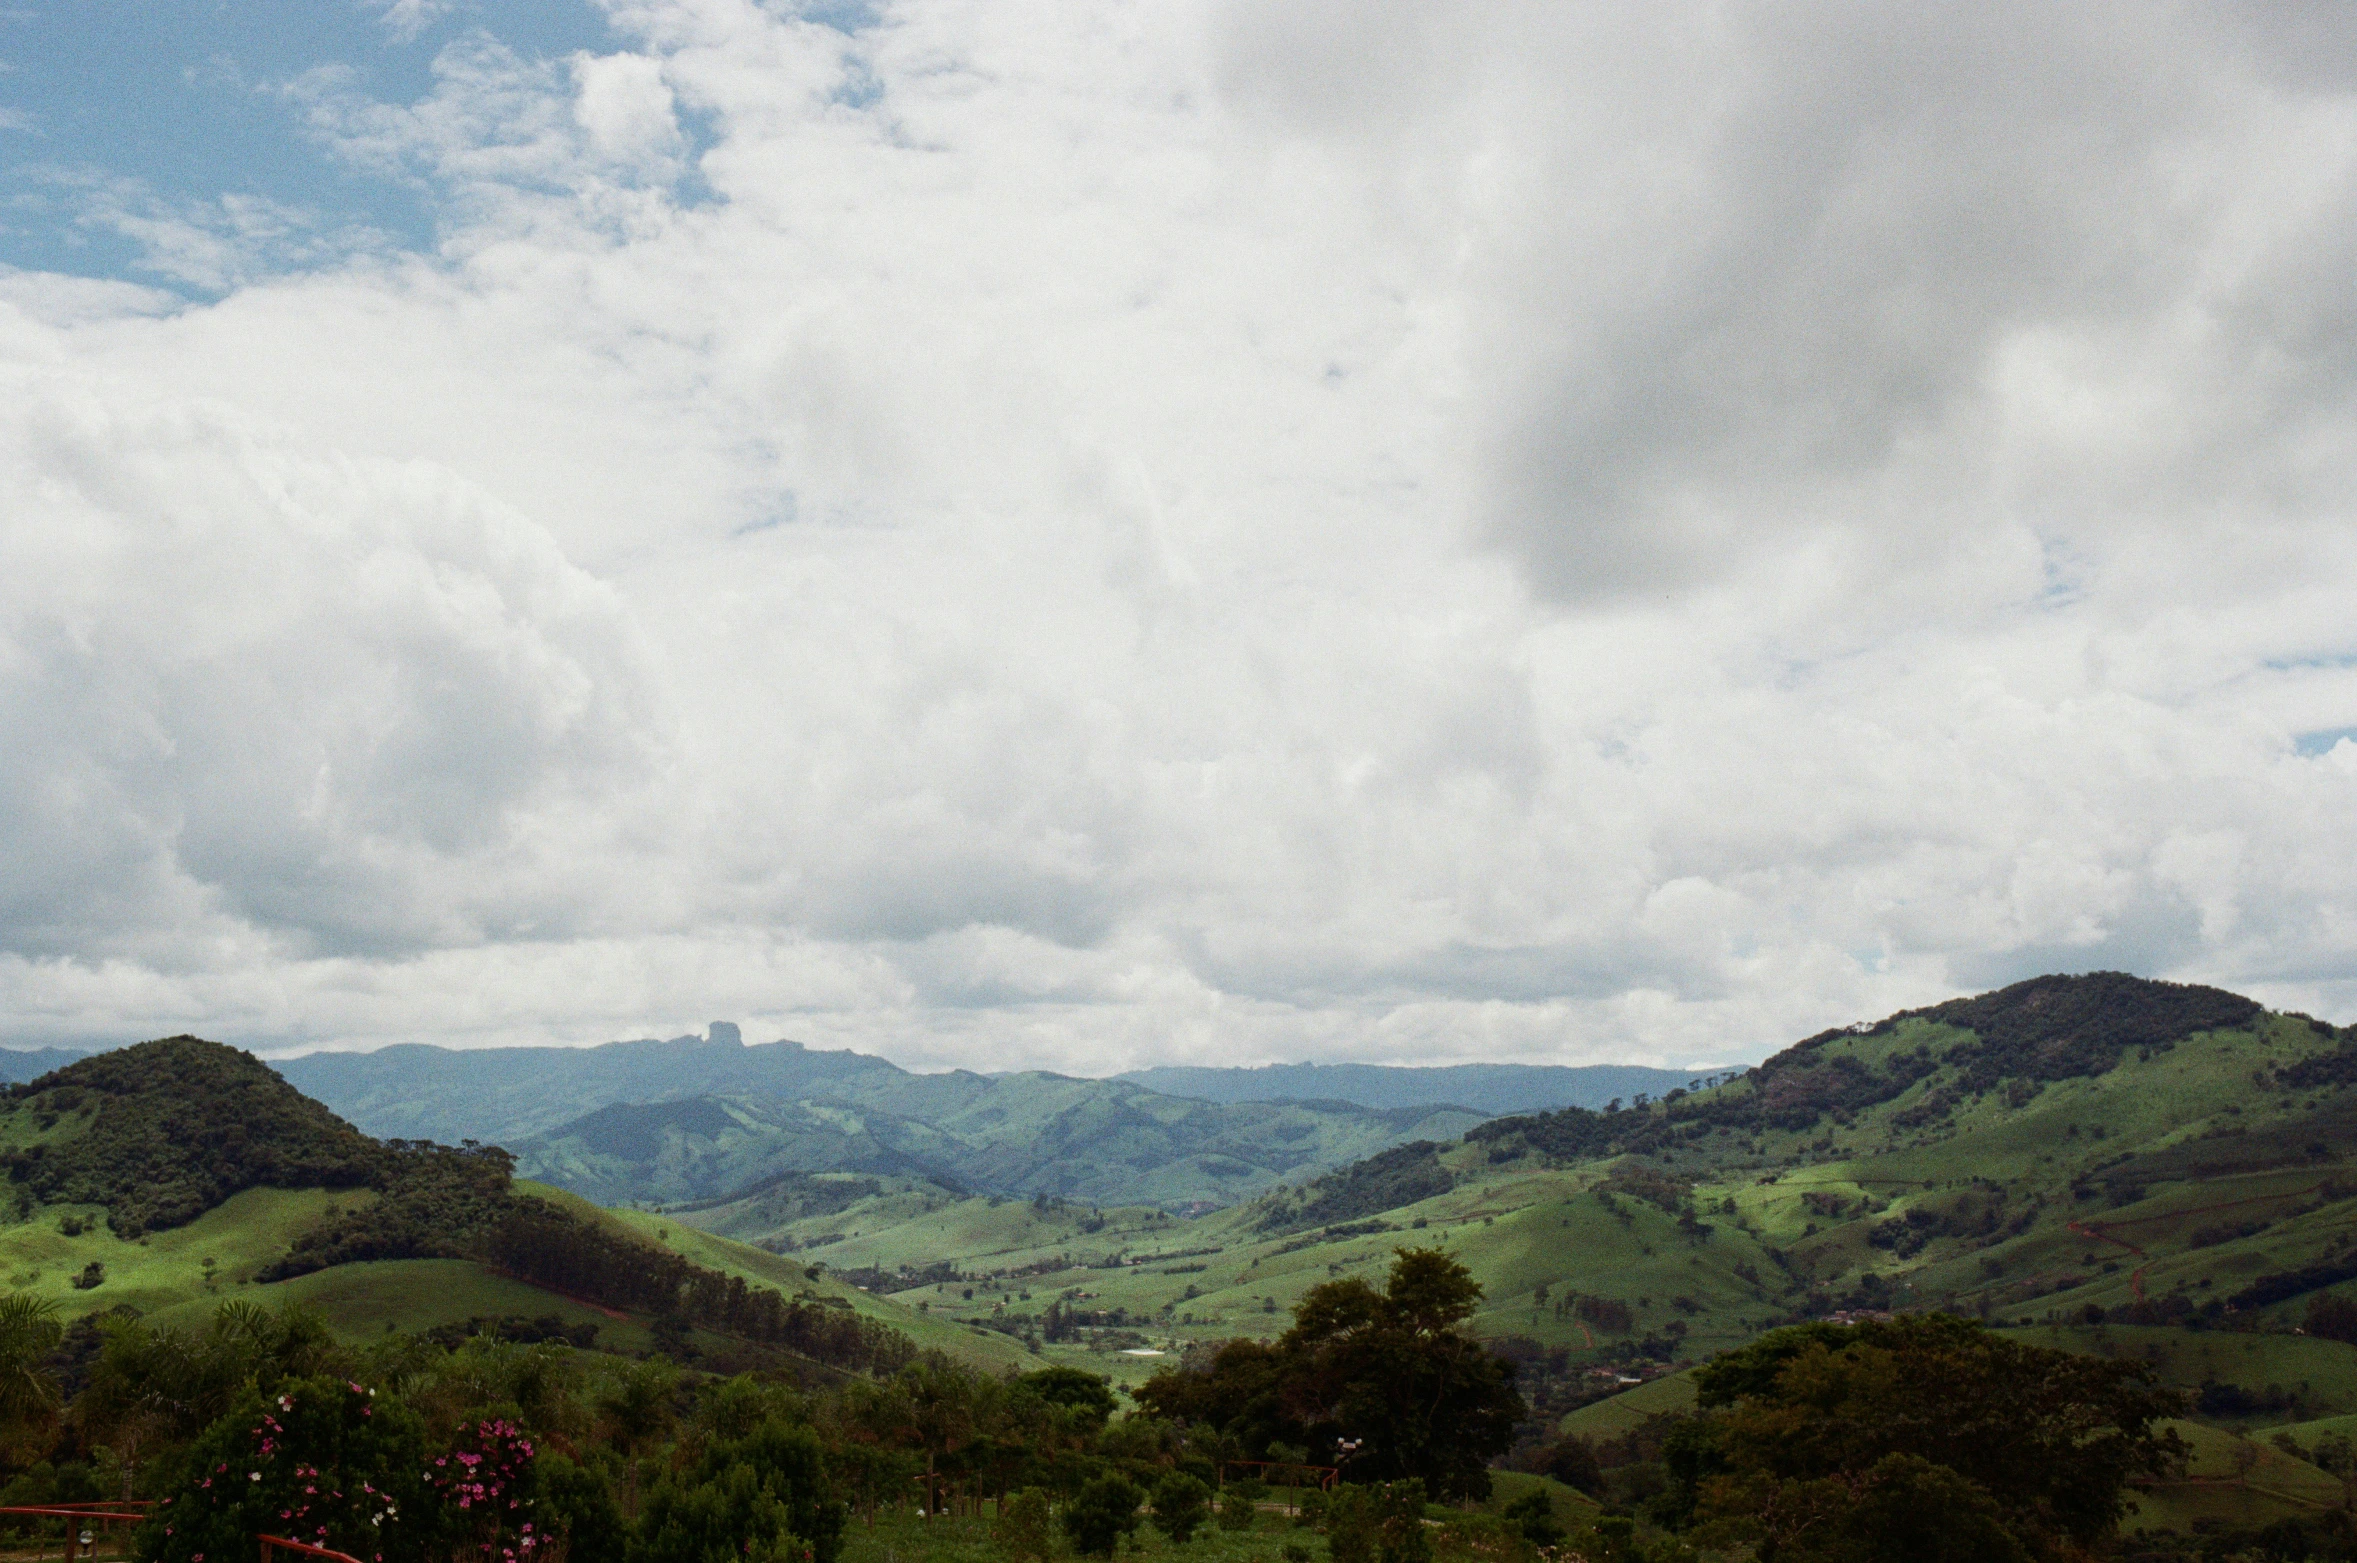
(2111, 1164)
(696, 1118)
(501, 1095)
(2103, 1163)
(1101, 1141)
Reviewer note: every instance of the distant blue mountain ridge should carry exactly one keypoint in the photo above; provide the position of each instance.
(22, 1063)
(1496, 1089)
(415, 1090)
(699, 1117)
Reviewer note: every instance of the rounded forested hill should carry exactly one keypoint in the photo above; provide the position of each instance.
(2055, 1028)
(162, 1132)
(2042, 1030)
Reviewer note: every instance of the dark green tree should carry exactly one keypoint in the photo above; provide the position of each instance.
(1572, 1461)
(1918, 1415)
(1241, 1391)
(1181, 1504)
(1396, 1381)
(1534, 1515)
(1088, 1393)
(1103, 1512)
(729, 1518)
(768, 1491)
(576, 1506)
(1389, 1384)
(1239, 1504)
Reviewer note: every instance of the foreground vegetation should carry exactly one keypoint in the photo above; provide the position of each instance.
(1367, 1433)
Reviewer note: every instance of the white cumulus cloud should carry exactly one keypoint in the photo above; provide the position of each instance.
(1042, 533)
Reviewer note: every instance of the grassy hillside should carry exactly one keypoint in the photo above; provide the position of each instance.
(2170, 1161)
(165, 1277)
(168, 1178)
(2233, 1480)
(160, 1269)
(983, 1348)
(159, 1133)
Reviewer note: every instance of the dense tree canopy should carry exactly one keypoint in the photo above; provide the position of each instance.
(1815, 1436)
(164, 1131)
(1389, 1384)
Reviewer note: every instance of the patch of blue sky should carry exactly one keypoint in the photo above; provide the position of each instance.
(844, 16)
(117, 116)
(699, 129)
(2065, 575)
(859, 88)
(2322, 740)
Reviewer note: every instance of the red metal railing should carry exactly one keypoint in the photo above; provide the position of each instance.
(130, 1509)
(304, 1549)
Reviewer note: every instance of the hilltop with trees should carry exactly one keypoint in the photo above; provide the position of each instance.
(2117, 1209)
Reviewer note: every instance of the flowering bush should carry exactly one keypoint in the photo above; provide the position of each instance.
(322, 1461)
(484, 1485)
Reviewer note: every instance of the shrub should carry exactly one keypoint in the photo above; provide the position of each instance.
(1024, 1530)
(1534, 1515)
(1572, 1461)
(1181, 1504)
(1351, 1526)
(765, 1494)
(322, 1461)
(1383, 1523)
(1105, 1511)
(2333, 1318)
(733, 1515)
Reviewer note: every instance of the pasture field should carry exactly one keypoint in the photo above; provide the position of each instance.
(241, 1235)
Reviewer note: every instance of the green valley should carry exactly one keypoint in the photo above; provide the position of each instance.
(2151, 1178)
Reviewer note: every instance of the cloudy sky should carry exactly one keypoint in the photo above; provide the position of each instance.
(1015, 532)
